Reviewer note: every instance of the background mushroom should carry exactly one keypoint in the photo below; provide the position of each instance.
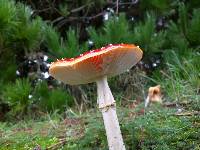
(96, 66)
(154, 95)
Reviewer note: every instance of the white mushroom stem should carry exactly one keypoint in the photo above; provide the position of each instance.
(107, 106)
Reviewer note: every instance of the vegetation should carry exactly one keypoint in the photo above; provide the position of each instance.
(158, 128)
(37, 112)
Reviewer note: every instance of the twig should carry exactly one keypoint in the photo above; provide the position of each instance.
(55, 146)
(43, 10)
(123, 3)
(58, 19)
(62, 142)
(64, 20)
(174, 104)
(188, 113)
(80, 8)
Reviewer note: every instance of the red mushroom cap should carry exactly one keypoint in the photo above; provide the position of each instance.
(88, 67)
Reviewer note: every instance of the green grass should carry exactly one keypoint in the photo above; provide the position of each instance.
(26, 135)
(158, 128)
(43, 132)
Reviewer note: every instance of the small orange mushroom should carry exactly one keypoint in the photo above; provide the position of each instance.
(154, 95)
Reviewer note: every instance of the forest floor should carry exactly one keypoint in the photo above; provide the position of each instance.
(158, 126)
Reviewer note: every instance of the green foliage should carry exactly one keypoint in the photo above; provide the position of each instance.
(9, 74)
(60, 47)
(27, 135)
(186, 68)
(181, 77)
(19, 34)
(17, 96)
(7, 26)
(183, 18)
(72, 44)
(53, 42)
(185, 33)
(56, 99)
(24, 13)
(17, 27)
(7, 15)
(159, 129)
(63, 8)
(94, 135)
(146, 36)
(194, 28)
(160, 6)
(29, 34)
(115, 30)
(193, 4)
(176, 40)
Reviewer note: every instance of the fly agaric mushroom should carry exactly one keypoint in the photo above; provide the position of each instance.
(96, 66)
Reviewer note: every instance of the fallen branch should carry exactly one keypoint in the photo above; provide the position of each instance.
(188, 113)
(174, 104)
(57, 145)
(62, 142)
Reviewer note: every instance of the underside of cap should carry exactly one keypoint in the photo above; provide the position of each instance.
(109, 61)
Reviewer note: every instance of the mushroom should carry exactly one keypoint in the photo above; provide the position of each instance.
(96, 66)
(154, 95)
